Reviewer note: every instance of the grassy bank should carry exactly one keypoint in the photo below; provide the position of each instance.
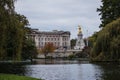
(15, 77)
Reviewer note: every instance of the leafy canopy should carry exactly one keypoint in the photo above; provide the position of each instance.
(109, 11)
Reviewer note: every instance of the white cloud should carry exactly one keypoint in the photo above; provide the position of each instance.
(61, 14)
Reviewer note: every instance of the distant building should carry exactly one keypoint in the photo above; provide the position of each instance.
(60, 39)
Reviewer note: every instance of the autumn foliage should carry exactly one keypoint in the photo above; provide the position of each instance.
(48, 48)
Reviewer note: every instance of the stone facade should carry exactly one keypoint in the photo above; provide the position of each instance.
(60, 39)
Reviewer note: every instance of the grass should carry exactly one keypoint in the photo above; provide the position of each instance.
(15, 77)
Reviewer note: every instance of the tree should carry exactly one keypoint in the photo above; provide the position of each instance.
(107, 45)
(15, 36)
(29, 50)
(12, 31)
(73, 43)
(48, 48)
(92, 39)
(109, 11)
(6, 10)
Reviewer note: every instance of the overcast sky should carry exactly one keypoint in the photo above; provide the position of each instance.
(48, 15)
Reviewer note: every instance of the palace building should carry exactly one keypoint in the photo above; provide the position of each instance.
(60, 39)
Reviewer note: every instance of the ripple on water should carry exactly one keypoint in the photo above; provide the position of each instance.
(64, 72)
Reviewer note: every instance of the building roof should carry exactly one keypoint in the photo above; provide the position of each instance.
(50, 32)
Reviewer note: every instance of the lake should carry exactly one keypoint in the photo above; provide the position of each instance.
(64, 70)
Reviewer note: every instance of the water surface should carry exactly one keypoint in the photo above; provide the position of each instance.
(65, 70)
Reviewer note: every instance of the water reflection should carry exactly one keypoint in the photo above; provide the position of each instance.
(110, 71)
(58, 61)
(65, 72)
(73, 70)
(10, 68)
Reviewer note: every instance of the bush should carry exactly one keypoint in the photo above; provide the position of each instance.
(72, 56)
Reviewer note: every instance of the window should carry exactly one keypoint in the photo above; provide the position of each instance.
(51, 39)
(48, 39)
(58, 44)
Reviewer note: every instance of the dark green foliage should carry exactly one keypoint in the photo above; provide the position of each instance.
(70, 57)
(29, 50)
(14, 37)
(109, 11)
(73, 43)
(92, 39)
(6, 16)
(84, 53)
(86, 41)
(107, 45)
(13, 33)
